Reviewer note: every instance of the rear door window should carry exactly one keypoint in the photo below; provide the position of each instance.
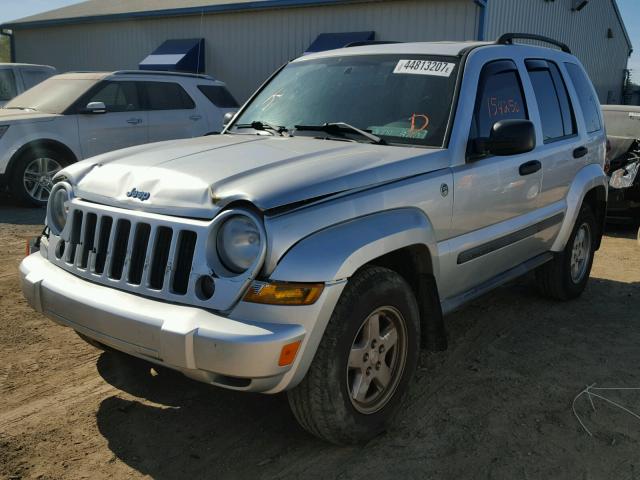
(556, 114)
(500, 97)
(7, 84)
(586, 96)
(167, 96)
(219, 96)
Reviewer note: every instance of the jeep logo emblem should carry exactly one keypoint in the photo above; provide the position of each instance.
(139, 194)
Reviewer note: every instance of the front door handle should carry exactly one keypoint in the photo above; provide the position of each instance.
(528, 168)
(134, 121)
(195, 117)
(580, 152)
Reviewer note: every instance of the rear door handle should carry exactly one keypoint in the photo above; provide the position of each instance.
(580, 152)
(528, 168)
(195, 117)
(134, 121)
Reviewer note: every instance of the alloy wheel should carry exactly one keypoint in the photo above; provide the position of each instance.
(38, 177)
(580, 253)
(377, 359)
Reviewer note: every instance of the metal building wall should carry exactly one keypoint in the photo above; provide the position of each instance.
(605, 59)
(244, 48)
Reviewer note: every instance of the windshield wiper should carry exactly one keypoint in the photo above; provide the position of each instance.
(341, 127)
(263, 126)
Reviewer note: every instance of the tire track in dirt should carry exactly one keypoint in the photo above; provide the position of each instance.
(495, 405)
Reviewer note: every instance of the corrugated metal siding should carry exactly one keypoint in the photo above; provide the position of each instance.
(585, 32)
(242, 49)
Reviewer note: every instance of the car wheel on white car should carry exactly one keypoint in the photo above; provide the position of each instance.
(363, 365)
(33, 174)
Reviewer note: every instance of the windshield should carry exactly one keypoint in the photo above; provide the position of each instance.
(54, 95)
(403, 99)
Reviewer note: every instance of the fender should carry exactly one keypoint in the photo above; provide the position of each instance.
(336, 252)
(48, 141)
(588, 178)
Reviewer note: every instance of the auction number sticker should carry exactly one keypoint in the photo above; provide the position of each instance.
(425, 67)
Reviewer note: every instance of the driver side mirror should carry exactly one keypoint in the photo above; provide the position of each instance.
(95, 107)
(511, 137)
(228, 117)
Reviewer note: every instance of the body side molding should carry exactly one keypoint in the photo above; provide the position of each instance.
(506, 240)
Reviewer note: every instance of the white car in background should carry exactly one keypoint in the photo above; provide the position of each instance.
(74, 116)
(15, 78)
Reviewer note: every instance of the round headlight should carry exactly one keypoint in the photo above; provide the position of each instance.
(238, 243)
(58, 209)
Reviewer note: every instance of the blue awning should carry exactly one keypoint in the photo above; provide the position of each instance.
(179, 55)
(329, 41)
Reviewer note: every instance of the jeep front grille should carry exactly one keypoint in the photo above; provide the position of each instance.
(149, 254)
(129, 250)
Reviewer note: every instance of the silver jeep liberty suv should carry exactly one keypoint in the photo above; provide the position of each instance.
(316, 244)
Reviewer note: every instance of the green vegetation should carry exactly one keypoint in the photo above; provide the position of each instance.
(5, 53)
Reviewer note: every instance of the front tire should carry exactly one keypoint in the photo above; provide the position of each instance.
(363, 365)
(566, 276)
(32, 177)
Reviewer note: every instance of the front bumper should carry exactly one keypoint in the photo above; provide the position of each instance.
(236, 354)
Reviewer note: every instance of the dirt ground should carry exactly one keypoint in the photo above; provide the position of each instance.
(497, 404)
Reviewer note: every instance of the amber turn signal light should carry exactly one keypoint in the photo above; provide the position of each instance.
(288, 353)
(282, 293)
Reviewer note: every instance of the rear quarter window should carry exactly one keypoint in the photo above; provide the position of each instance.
(219, 96)
(586, 96)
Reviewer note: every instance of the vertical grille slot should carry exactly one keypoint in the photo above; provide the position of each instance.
(103, 244)
(138, 252)
(88, 239)
(184, 257)
(74, 240)
(160, 257)
(123, 228)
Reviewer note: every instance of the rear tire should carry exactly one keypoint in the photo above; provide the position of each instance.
(32, 176)
(566, 276)
(364, 363)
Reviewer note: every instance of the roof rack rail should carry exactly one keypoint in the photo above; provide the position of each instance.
(163, 72)
(507, 39)
(369, 42)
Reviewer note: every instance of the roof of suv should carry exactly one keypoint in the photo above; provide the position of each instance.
(31, 65)
(424, 48)
(103, 75)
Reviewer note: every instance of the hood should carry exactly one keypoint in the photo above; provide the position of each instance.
(16, 116)
(198, 177)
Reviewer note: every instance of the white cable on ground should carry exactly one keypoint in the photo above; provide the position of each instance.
(589, 391)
